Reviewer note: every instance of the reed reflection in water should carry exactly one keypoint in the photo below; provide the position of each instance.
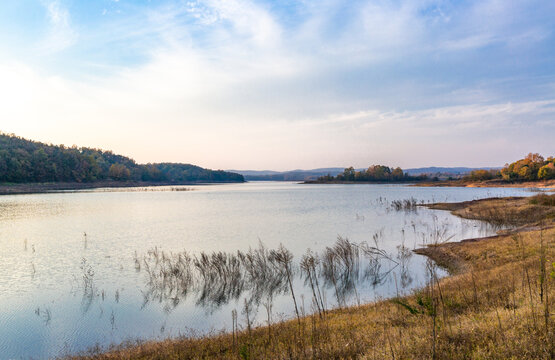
(260, 274)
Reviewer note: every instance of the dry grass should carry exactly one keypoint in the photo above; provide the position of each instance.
(505, 212)
(498, 304)
(543, 199)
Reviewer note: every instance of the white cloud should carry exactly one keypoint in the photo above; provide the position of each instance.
(236, 84)
(176, 110)
(250, 20)
(485, 116)
(60, 34)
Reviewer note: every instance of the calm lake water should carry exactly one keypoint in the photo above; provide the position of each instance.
(73, 266)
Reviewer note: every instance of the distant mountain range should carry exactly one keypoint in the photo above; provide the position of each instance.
(291, 175)
(313, 174)
(446, 170)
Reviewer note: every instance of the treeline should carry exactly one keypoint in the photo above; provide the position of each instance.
(533, 167)
(25, 161)
(375, 173)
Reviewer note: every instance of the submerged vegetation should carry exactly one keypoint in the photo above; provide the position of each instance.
(25, 161)
(406, 204)
(498, 303)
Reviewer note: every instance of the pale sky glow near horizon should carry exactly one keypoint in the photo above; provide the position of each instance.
(240, 84)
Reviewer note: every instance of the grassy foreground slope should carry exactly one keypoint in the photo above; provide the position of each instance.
(497, 304)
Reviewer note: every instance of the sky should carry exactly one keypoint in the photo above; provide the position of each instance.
(240, 84)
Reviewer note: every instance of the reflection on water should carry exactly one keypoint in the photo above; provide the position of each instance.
(259, 274)
(86, 268)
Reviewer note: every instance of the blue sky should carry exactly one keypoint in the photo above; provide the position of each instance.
(283, 84)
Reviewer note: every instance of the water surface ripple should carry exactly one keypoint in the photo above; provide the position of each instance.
(73, 265)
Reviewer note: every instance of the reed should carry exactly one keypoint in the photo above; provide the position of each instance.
(284, 259)
(404, 205)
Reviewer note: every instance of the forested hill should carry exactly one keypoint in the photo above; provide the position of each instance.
(25, 161)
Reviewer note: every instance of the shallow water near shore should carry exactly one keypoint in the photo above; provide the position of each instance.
(73, 265)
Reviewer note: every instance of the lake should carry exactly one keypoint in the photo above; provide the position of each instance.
(82, 269)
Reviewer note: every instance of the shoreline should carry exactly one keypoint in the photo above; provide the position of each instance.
(42, 188)
(546, 184)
